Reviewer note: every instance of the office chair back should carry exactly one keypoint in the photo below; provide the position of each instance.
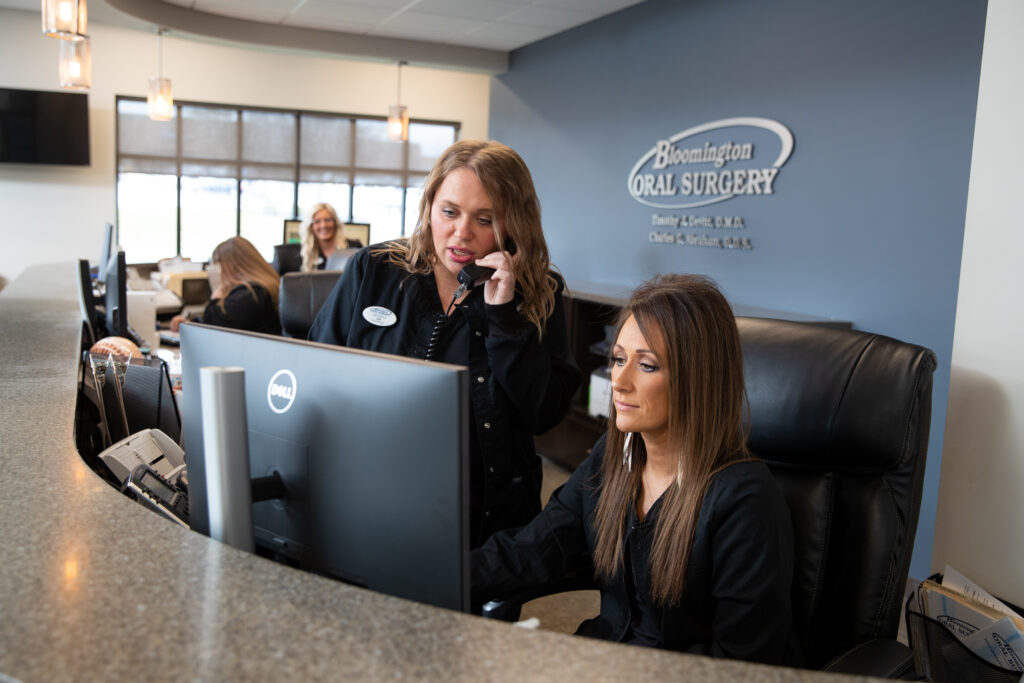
(287, 258)
(301, 296)
(841, 417)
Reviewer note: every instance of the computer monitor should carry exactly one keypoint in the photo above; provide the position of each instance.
(292, 231)
(373, 451)
(86, 301)
(359, 232)
(195, 291)
(106, 253)
(116, 296)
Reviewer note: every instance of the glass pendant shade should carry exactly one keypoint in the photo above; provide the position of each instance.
(398, 115)
(159, 99)
(398, 123)
(65, 18)
(75, 64)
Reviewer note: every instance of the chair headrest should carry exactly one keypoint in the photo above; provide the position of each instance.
(301, 296)
(287, 258)
(818, 392)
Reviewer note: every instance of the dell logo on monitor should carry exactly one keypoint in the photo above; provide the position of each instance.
(281, 391)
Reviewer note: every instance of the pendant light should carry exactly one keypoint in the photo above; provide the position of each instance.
(75, 64)
(159, 99)
(398, 114)
(64, 18)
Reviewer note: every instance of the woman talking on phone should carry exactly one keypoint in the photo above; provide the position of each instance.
(507, 324)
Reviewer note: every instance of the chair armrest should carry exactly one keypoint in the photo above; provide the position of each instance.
(509, 608)
(881, 657)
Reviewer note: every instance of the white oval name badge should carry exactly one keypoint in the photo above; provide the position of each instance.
(379, 316)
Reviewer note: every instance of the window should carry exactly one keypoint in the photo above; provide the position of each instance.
(215, 171)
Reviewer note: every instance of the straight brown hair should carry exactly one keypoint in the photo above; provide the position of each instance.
(241, 264)
(707, 403)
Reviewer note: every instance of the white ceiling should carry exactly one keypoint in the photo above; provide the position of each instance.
(494, 26)
(490, 24)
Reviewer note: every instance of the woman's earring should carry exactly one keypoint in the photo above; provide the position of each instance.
(627, 452)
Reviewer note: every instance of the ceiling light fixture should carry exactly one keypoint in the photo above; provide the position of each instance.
(159, 99)
(75, 64)
(398, 114)
(65, 19)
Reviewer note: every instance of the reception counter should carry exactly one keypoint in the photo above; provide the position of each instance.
(95, 587)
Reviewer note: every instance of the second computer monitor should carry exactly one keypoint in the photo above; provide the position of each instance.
(372, 450)
(360, 232)
(116, 296)
(108, 252)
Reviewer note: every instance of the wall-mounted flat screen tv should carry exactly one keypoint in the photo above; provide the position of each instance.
(41, 127)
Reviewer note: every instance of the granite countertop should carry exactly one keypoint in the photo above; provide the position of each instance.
(95, 587)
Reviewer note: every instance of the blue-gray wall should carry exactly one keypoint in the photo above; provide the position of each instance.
(866, 223)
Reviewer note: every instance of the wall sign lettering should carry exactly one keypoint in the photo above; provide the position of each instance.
(689, 169)
(661, 235)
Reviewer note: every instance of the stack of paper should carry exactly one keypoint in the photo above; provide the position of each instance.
(986, 626)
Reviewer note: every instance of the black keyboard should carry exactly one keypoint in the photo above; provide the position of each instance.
(168, 338)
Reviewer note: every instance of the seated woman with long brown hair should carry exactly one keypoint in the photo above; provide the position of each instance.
(687, 534)
(243, 290)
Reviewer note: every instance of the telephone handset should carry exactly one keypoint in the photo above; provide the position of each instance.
(469, 277)
(473, 275)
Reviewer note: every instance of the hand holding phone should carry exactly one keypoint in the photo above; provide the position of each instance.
(473, 275)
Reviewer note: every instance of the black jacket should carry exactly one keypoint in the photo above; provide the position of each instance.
(736, 601)
(244, 310)
(519, 385)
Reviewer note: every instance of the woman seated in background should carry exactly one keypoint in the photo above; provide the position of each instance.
(322, 238)
(404, 297)
(687, 535)
(243, 290)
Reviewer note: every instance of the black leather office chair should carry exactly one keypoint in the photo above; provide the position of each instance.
(287, 258)
(301, 296)
(841, 418)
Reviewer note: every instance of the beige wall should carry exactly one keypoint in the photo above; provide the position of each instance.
(52, 213)
(979, 526)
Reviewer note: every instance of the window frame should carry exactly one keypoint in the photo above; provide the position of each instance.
(351, 171)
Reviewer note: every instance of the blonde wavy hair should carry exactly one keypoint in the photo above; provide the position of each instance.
(309, 245)
(241, 264)
(509, 185)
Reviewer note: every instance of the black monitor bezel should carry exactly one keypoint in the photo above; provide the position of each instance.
(205, 345)
(115, 296)
(86, 300)
(107, 252)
